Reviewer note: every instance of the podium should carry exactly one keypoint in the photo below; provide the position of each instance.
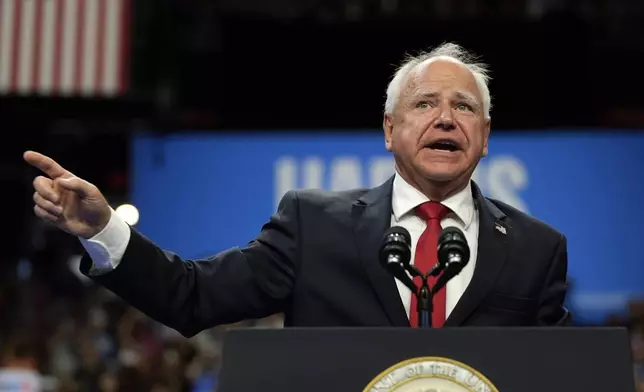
(516, 359)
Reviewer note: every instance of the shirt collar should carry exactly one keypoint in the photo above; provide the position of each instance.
(405, 198)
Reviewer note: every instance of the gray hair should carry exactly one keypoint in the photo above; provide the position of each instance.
(447, 51)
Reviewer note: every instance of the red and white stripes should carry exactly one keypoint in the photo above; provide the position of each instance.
(64, 47)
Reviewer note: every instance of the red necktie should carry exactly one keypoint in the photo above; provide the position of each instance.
(426, 257)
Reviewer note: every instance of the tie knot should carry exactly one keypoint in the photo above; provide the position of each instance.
(432, 210)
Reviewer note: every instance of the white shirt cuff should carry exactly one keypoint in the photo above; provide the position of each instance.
(106, 249)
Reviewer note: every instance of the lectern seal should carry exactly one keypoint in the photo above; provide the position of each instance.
(430, 374)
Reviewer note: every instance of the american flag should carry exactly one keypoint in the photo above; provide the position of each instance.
(64, 47)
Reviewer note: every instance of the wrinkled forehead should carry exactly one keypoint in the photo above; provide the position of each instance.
(443, 75)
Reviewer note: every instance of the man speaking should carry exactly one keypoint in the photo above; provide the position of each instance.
(316, 260)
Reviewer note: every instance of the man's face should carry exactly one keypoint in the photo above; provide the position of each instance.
(438, 130)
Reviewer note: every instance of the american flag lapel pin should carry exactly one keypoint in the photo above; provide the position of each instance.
(500, 228)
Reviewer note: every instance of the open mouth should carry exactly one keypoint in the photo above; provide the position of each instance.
(444, 145)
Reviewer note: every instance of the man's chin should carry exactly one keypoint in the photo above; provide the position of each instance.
(443, 173)
(442, 177)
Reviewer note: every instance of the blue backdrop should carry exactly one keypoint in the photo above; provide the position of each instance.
(201, 193)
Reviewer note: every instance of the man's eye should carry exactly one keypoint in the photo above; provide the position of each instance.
(463, 106)
(423, 105)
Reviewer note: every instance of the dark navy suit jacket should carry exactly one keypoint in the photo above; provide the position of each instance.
(316, 261)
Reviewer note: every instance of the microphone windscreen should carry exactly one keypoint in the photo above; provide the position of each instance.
(398, 230)
(452, 240)
(451, 233)
(396, 242)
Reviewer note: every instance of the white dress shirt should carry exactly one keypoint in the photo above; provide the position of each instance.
(464, 215)
(107, 247)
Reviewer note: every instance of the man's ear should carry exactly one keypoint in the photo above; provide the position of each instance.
(388, 127)
(486, 136)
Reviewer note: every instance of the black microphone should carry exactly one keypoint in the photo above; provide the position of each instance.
(395, 254)
(453, 255)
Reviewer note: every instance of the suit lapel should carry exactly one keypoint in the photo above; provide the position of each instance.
(372, 217)
(494, 242)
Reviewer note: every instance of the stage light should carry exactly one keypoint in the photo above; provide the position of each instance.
(129, 213)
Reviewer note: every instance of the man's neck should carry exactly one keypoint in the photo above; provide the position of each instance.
(436, 190)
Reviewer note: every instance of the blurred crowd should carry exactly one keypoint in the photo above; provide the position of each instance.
(91, 341)
(88, 340)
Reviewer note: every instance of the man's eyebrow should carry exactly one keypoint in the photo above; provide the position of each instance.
(462, 95)
(467, 96)
(459, 94)
(427, 94)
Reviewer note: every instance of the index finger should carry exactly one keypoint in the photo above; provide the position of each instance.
(45, 164)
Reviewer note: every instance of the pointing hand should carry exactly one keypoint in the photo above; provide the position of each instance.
(71, 203)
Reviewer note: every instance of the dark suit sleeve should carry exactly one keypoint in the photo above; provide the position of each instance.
(193, 295)
(551, 303)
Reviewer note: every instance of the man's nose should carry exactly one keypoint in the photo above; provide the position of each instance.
(445, 119)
